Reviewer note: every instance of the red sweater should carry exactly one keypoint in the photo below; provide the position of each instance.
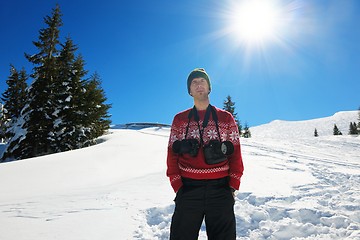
(184, 165)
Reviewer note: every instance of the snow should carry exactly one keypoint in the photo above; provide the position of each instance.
(295, 186)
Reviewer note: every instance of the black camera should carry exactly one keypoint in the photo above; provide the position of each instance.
(216, 151)
(189, 146)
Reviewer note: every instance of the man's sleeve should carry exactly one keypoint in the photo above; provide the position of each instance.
(173, 171)
(235, 160)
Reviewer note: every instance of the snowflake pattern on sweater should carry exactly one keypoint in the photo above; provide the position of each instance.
(184, 165)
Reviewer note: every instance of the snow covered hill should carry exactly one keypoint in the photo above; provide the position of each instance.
(295, 186)
(300, 129)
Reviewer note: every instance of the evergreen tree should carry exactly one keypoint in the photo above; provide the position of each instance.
(68, 98)
(247, 133)
(14, 97)
(14, 100)
(229, 106)
(353, 129)
(336, 131)
(37, 118)
(95, 109)
(316, 133)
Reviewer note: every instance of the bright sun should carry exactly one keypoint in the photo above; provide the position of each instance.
(255, 21)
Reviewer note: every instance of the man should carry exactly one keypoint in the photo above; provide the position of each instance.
(204, 166)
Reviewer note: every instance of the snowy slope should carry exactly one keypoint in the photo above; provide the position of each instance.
(299, 129)
(292, 188)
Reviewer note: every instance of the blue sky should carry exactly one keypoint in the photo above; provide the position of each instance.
(307, 68)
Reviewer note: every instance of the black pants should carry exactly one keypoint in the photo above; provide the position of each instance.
(197, 199)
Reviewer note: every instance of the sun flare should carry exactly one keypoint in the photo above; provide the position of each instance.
(255, 21)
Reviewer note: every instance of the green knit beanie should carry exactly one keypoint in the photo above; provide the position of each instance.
(198, 73)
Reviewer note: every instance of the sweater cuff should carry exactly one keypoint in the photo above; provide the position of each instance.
(234, 181)
(176, 182)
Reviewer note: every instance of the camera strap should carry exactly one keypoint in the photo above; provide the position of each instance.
(194, 113)
(215, 118)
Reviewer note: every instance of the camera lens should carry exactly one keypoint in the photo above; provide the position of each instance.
(227, 148)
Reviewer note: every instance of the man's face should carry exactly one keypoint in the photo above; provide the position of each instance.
(199, 87)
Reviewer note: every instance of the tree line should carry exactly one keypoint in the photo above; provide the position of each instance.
(62, 109)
